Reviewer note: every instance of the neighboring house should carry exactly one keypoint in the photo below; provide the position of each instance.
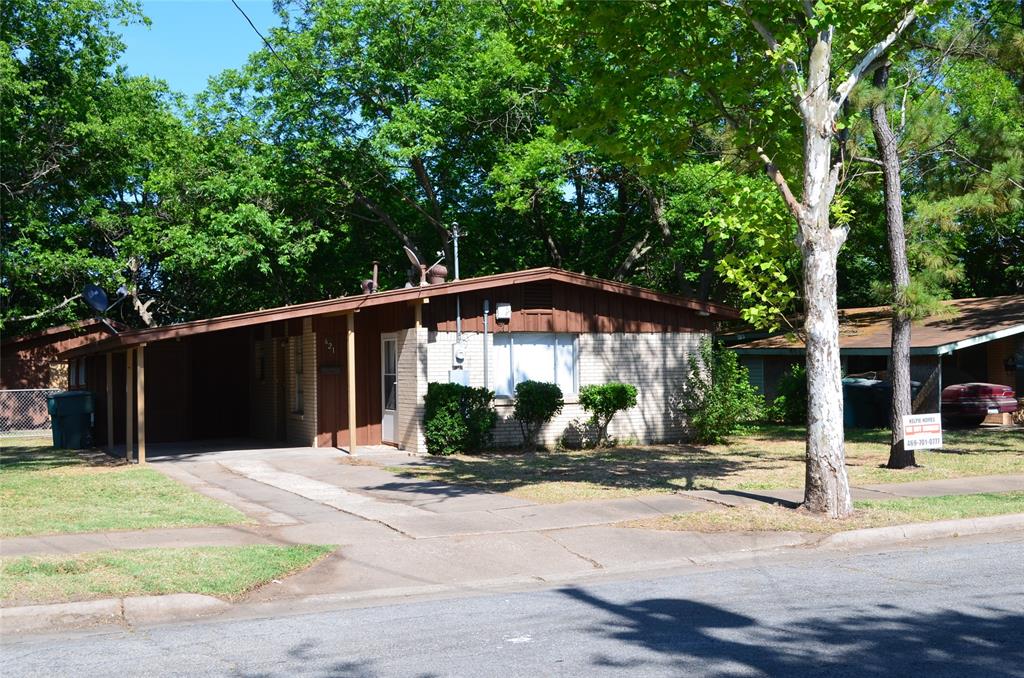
(30, 363)
(31, 360)
(975, 340)
(303, 373)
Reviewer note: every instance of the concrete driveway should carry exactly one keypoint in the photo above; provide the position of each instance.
(291, 486)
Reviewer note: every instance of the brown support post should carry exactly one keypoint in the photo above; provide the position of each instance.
(110, 401)
(351, 379)
(140, 397)
(129, 405)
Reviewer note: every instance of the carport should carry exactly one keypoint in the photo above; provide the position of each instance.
(226, 379)
(172, 390)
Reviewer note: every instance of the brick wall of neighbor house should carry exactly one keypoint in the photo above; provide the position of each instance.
(301, 426)
(412, 386)
(656, 363)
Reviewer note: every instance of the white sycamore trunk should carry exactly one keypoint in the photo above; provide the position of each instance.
(826, 489)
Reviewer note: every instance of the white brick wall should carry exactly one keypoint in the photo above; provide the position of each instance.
(656, 363)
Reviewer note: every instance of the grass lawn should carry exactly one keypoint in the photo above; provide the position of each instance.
(222, 571)
(769, 517)
(49, 491)
(771, 457)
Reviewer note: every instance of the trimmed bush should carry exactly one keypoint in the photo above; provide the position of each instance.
(537, 403)
(603, 402)
(457, 419)
(718, 398)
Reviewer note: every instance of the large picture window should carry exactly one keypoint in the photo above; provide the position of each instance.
(529, 356)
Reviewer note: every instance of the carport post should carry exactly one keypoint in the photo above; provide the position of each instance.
(129, 404)
(110, 401)
(140, 396)
(351, 379)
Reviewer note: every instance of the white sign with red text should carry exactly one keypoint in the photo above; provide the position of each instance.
(922, 431)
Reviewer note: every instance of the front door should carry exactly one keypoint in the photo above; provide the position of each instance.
(389, 387)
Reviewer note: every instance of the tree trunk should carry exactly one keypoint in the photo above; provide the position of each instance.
(826, 489)
(899, 366)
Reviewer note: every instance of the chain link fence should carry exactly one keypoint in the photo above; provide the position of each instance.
(23, 412)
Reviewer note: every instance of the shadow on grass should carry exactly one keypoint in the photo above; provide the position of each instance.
(667, 468)
(27, 458)
(37, 458)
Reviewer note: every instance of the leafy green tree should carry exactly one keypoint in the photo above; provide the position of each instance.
(78, 141)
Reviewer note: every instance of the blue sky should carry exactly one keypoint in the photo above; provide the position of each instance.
(190, 40)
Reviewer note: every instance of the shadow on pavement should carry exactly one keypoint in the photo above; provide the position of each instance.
(700, 639)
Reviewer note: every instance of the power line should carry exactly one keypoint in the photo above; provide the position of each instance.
(264, 39)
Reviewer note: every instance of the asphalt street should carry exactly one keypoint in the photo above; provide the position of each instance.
(951, 608)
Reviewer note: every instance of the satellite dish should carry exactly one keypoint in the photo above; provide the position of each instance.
(417, 265)
(413, 259)
(96, 298)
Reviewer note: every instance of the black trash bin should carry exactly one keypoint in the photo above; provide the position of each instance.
(71, 419)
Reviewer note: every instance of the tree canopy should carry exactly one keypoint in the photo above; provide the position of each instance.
(365, 126)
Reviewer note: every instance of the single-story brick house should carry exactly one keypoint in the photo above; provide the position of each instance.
(980, 339)
(352, 371)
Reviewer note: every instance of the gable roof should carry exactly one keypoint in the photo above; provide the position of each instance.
(405, 294)
(867, 331)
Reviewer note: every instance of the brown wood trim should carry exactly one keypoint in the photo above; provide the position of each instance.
(354, 303)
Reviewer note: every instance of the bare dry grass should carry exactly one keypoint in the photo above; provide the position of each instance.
(769, 458)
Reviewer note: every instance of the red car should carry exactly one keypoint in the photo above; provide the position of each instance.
(969, 404)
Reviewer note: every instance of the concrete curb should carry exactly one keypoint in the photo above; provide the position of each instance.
(128, 611)
(37, 618)
(880, 536)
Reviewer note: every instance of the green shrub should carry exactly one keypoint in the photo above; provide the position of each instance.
(790, 405)
(457, 419)
(603, 401)
(718, 399)
(537, 403)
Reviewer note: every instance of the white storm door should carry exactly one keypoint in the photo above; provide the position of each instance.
(389, 387)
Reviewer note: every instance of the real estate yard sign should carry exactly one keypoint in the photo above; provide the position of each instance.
(922, 431)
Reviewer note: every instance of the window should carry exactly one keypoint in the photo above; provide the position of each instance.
(527, 356)
(297, 363)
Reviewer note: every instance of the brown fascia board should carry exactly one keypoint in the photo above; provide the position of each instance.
(80, 326)
(405, 294)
